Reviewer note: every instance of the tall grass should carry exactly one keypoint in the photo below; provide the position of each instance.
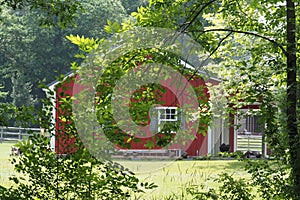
(172, 179)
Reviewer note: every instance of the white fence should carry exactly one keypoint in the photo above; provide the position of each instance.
(249, 143)
(16, 133)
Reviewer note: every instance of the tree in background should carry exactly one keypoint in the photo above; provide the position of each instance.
(52, 13)
(31, 53)
(133, 5)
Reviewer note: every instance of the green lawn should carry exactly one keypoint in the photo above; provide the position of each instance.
(6, 169)
(177, 175)
(171, 177)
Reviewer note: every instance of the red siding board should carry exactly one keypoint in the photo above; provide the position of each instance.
(63, 142)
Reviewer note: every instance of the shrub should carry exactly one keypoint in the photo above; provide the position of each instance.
(271, 178)
(229, 189)
(224, 147)
(233, 189)
(45, 175)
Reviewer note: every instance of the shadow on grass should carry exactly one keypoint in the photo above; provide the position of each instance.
(221, 165)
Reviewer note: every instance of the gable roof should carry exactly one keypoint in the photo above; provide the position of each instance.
(184, 63)
(55, 82)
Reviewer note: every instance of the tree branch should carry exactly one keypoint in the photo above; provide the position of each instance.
(210, 55)
(246, 33)
(203, 62)
(186, 25)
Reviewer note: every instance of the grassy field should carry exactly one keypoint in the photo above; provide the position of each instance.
(175, 177)
(171, 178)
(6, 168)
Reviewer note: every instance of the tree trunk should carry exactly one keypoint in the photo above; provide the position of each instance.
(291, 111)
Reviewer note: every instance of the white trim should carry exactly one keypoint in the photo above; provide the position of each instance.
(53, 138)
(53, 103)
(164, 109)
(187, 65)
(235, 134)
(54, 83)
(209, 141)
(52, 87)
(222, 131)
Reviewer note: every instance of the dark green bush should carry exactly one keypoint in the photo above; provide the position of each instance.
(271, 178)
(45, 175)
(230, 189)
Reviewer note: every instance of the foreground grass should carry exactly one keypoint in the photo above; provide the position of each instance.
(175, 177)
(172, 178)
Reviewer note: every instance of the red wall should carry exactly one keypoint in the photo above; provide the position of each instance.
(63, 144)
(63, 140)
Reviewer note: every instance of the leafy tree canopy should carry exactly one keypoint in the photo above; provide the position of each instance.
(31, 53)
(58, 13)
(253, 46)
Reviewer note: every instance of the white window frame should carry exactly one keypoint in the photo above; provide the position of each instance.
(162, 110)
(165, 113)
(165, 108)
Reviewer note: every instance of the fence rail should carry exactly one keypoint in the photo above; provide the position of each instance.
(16, 133)
(251, 142)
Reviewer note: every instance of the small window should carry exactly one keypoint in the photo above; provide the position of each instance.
(167, 114)
(249, 124)
(169, 117)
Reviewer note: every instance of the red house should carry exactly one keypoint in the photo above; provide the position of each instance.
(204, 143)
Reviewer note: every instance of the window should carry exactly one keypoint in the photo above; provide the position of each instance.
(165, 118)
(249, 124)
(167, 114)
(252, 124)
